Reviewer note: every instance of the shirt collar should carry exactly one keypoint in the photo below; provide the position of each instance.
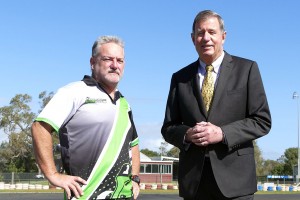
(90, 81)
(216, 64)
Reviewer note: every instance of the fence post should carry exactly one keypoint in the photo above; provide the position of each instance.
(12, 177)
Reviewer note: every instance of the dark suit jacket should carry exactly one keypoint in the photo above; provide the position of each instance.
(239, 107)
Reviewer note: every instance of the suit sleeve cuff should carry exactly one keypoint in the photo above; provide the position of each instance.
(224, 141)
(186, 145)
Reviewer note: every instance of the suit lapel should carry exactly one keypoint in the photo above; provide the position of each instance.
(196, 88)
(225, 70)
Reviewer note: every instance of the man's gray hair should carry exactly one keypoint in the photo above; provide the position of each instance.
(106, 39)
(206, 14)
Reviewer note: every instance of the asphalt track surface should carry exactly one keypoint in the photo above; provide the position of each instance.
(59, 196)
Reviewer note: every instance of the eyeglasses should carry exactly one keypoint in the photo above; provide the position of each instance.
(110, 59)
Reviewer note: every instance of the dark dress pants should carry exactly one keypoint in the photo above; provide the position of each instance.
(208, 188)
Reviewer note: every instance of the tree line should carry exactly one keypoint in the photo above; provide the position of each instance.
(16, 154)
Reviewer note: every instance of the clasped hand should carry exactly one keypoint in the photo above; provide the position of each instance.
(204, 133)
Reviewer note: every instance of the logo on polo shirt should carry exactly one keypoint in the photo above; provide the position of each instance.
(92, 100)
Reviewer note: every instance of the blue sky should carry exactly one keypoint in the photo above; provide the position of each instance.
(47, 44)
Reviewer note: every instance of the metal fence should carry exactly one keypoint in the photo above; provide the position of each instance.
(277, 181)
(30, 178)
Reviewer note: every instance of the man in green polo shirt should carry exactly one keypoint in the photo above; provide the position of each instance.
(99, 142)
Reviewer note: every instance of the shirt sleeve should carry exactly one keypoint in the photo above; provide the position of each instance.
(135, 139)
(60, 108)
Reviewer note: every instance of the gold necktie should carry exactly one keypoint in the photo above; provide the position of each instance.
(208, 87)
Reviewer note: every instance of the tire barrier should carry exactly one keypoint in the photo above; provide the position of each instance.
(154, 186)
(23, 186)
(282, 188)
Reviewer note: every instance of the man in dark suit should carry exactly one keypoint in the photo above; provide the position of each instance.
(216, 137)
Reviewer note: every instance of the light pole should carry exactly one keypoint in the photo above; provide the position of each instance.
(296, 96)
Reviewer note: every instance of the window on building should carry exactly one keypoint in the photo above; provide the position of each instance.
(166, 169)
(156, 168)
(148, 168)
(142, 168)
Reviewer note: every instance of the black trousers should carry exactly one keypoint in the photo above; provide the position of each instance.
(208, 188)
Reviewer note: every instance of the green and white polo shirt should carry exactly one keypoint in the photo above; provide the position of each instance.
(96, 135)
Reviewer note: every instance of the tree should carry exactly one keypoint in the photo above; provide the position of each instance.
(15, 122)
(291, 157)
(258, 160)
(278, 168)
(173, 152)
(284, 165)
(163, 148)
(149, 153)
(4, 158)
(271, 167)
(44, 99)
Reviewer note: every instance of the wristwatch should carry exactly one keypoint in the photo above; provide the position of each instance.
(136, 179)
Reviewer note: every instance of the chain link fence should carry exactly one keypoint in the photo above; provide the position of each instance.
(30, 178)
